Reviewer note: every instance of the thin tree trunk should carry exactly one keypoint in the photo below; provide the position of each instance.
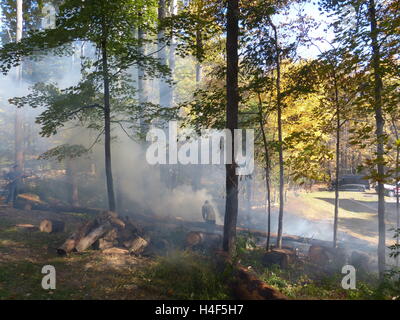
(267, 173)
(171, 60)
(199, 169)
(336, 215)
(397, 178)
(162, 56)
(165, 175)
(231, 206)
(198, 68)
(376, 60)
(142, 85)
(199, 46)
(107, 126)
(73, 183)
(198, 73)
(19, 129)
(397, 201)
(280, 139)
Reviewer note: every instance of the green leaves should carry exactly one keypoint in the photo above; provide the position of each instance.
(64, 151)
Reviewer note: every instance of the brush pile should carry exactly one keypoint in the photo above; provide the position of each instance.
(107, 232)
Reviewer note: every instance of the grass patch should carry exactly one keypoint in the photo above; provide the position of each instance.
(187, 275)
(303, 280)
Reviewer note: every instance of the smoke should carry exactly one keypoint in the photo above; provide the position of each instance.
(139, 185)
(142, 183)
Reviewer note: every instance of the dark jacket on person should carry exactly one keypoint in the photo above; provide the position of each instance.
(13, 178)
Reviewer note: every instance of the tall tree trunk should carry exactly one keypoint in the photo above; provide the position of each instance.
(142, 84)
(198, 68)
(171, 59)
(199, 50)
(107, 127)
(231, 206)
(165, 175)
(280, 138)
(336, 214)
(198, 73)
(73, 183)
(162, 56)
(397, 178)
(267, 172)
(378, 85)
(19, 128)
(397, 200)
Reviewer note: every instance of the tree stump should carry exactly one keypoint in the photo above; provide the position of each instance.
(136, 246)
(281, 257)
(51, 226)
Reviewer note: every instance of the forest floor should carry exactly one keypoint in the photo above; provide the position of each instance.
(94, 275)
(89, 275)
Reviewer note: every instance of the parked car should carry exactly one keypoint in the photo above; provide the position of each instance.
(352, 187)
(352, 182)
(390, 189)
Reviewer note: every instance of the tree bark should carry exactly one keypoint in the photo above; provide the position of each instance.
(397, 178)
(73, 183)
(162, 56)
(336, 213)
(170, 89)
(231, 206)
(107, 125)
(142, 84)
(378, 86)
(267, 172)
(137, 245)
(280, 139)
(71, 242)
(86, 241)
(19, 129)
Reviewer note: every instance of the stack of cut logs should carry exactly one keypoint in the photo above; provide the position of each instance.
(109, 233)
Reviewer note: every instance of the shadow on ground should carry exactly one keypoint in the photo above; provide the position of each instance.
(358, 206)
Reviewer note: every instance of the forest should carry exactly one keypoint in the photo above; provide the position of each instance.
(250, 147)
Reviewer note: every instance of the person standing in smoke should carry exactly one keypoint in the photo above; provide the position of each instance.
(208, 213)
(13, 177)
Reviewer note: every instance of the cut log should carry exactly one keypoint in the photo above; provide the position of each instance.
(26, 227)
(117, 222)
(202, 240)
(51, 226)
(69, 245)
(129, 233)
(102, 244)
(104, 232)
(26, 201)
(86, 241)
(244, 284)
(115, 251)
(108, 241)
(136, 246)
